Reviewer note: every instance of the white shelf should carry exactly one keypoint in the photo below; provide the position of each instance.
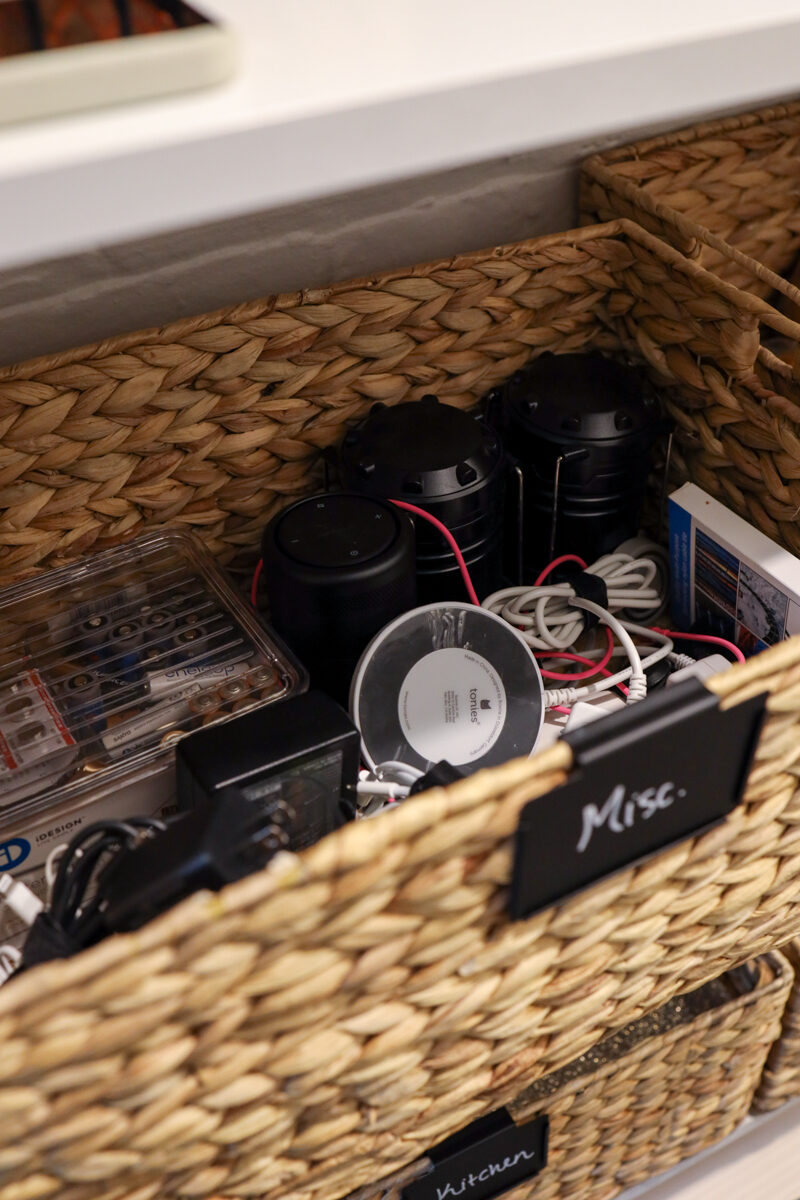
(759, 1161)
(331, 97)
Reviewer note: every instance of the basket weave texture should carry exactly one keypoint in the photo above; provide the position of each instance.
(326, 1021)
(726, 191)
(664, 1098)
(214, 422)
(781, 1079)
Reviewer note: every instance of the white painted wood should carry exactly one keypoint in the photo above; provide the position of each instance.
(336, 97)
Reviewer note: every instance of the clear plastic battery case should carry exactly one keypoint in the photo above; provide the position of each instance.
(103, 665)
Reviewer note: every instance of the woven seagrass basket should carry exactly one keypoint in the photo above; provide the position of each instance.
(660, 1090)
(213, 422)
(726, 192)
(323, 1023)
(781, 1079)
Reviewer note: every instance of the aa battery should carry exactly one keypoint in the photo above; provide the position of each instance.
(205, 703)
(265, 681)
(191, 642)
(233, 689)
(84, 689)
(85, 700)
(153, 657)
(94, 631)
(125, 645)
(159, 627)
(176, 679)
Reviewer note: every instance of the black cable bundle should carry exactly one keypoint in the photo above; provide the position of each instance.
(115, 876)
(74, 918)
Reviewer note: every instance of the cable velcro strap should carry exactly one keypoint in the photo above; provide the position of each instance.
(584, 584)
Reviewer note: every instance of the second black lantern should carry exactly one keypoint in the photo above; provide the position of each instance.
(449, 464)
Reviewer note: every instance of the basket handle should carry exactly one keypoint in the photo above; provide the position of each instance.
(687, 236)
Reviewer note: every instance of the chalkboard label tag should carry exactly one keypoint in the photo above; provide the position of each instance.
(644, 778)
(489, 1157)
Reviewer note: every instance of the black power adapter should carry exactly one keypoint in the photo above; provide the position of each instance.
(279, 777)
(276, 777)
(296, 762)
(221, 841)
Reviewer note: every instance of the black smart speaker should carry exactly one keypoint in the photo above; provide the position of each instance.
(337, 568)
(450, 464)
(581, 428)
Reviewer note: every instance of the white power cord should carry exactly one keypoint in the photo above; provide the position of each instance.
(637, 680)
(635, 673)
(376, 787)
(398, 772)
(10, 958)
(568, 695)
(23, 902)
(546, 617)
(51, 866)
(387, 782)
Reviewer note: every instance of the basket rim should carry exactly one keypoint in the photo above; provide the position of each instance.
(778, 980)
(752, 306)
(696, 133)
(359, 843)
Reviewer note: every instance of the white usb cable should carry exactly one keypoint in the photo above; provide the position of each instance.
(549, 618)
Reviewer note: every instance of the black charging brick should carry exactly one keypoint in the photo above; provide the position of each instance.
(297, 760)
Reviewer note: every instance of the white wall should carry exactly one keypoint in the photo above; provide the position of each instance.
(70, 301)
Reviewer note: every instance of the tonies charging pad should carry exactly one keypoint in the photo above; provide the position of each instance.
(450, 681)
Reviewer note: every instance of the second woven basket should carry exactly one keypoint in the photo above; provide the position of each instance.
(725, 191)
(658, 1091)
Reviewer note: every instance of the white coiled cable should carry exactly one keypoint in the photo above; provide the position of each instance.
(546, 617)
(549, 618)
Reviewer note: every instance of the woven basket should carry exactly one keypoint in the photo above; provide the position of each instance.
(648, 1097)
(215, 421)
(781, 1079)
(323, 1023)
(726, 192)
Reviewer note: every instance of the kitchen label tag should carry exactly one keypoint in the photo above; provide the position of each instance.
(489, 1157)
